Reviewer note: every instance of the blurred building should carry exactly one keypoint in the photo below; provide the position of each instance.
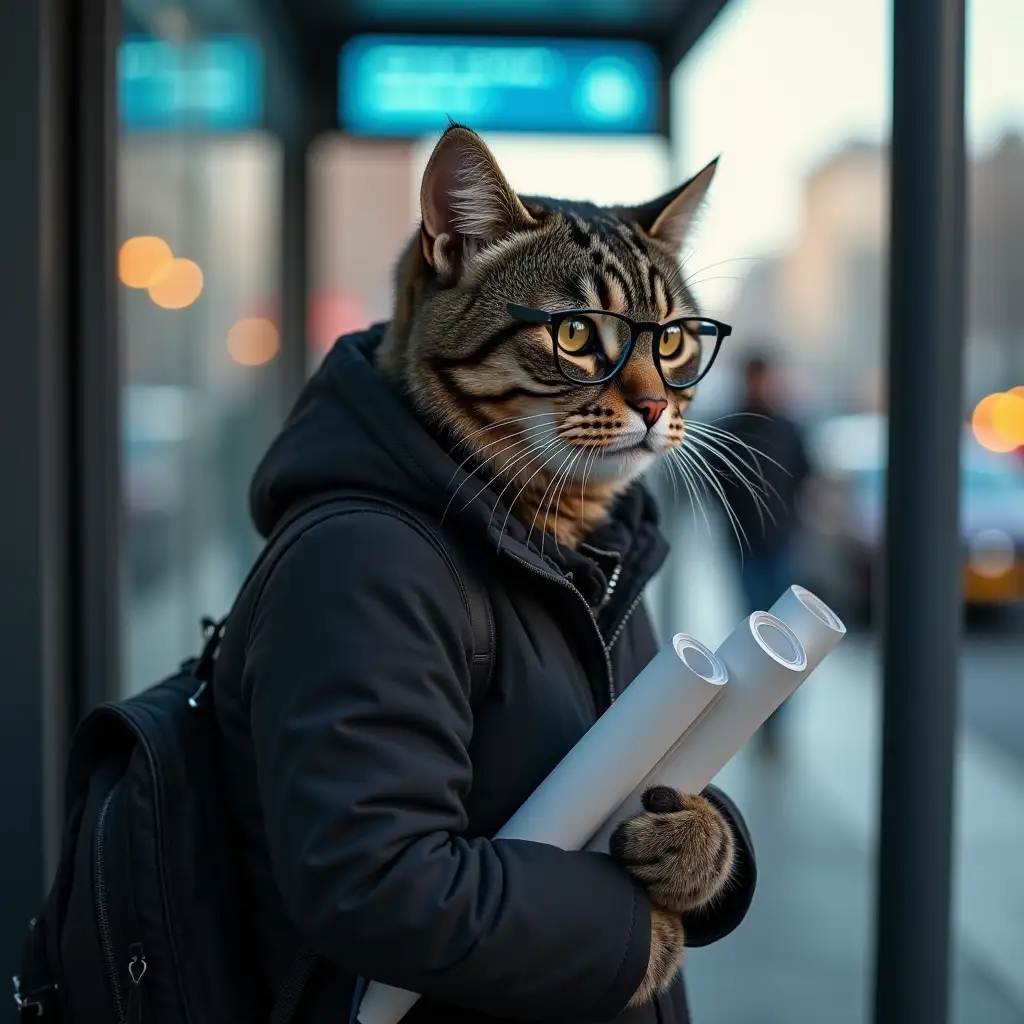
(825, 297)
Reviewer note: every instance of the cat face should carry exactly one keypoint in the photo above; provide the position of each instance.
(531, 397)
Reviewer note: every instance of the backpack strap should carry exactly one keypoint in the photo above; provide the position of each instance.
(289, 995)
(474, 593)
(308, 514)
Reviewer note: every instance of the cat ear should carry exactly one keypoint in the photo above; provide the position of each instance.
(670, 217)
(465, 200)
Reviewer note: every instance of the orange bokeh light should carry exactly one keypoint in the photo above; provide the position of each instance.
(987, 431)
(1008, 418)
(253, 341)
(141, 258)
(176, 284)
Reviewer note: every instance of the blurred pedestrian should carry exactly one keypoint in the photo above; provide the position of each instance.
(774, 459)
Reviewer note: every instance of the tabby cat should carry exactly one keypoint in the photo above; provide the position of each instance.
(557, 342)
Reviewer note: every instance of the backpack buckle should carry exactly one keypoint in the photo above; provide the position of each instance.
(202, 667)
(37, 1000)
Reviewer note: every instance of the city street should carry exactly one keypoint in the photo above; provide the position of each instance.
(804, 954)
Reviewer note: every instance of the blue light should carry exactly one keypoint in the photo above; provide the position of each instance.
(411, 85)
(609, 89)
(214, 84)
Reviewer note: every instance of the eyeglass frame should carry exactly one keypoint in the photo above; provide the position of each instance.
(553, 321)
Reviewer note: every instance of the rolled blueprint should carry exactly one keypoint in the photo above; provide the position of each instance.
(817, 627)
(766, 662)
(647, 719)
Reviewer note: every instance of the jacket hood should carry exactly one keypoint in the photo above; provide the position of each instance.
(352, 430)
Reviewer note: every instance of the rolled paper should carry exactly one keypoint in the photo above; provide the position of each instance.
(766, 663)
(622, 746)
(818, 628)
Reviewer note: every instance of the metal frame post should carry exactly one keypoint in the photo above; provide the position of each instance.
(95, 354)
(34, 585)
(294, 276)
(922, 588)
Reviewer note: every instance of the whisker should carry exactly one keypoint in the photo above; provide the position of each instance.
(681, 459)
(720, 263)
(591, 460)
(558, 500)
(729, 436)
(719, 442)
(540, 504)
(700, 466)
(530, 453)
(512, 504)
(483, 465)
(759, 500)
(498, 423)
(707, 471)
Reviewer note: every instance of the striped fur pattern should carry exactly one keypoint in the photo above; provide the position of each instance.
(557, 452)
(666, 956)
(682, 850)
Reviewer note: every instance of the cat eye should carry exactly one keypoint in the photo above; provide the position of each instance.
(591, 346)
(671, 339)
(574, 335)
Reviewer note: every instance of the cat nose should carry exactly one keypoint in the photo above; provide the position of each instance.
(650, 408)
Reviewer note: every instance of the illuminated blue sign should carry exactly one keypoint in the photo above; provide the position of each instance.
(411, 85)
(214, 84)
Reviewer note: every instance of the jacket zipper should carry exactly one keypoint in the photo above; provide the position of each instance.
(613, 582)
(625, 618)
(102, 911)
(137, 968)
(562, 581)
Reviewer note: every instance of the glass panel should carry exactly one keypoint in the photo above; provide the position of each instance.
(198, 219)
(989, 904)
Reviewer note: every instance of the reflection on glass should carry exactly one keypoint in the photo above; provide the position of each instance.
(198, 223)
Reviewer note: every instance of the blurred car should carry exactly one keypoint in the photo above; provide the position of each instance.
(844, 512)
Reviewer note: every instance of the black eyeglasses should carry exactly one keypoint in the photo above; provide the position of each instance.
(592, 345)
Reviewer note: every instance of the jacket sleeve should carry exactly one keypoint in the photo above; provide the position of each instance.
(714, 922)
(357, 685)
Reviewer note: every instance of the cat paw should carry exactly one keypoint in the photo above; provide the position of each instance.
(665, 958)
(681, 849)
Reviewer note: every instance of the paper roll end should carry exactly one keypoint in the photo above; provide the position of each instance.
(778, 641)
(700, 660)
(818, 609)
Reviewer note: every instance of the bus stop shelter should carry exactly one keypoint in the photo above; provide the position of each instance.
(60, 392)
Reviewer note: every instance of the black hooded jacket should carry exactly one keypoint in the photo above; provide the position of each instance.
(363, 787)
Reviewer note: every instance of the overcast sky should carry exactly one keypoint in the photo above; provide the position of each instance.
(778, 85)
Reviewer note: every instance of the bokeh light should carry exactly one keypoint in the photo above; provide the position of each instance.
(1008, 418)
(253, 341)
(176, 284)
(141, 258)
(331, 315)
(998, 421)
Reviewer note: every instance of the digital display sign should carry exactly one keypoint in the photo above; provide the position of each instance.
(411, 85)
(213, 84)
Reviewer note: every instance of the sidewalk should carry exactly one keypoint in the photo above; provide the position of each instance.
(804, 954)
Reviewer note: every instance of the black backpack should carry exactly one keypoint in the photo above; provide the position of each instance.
(144, 921)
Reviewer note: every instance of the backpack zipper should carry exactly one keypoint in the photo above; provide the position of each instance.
(102, 910)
